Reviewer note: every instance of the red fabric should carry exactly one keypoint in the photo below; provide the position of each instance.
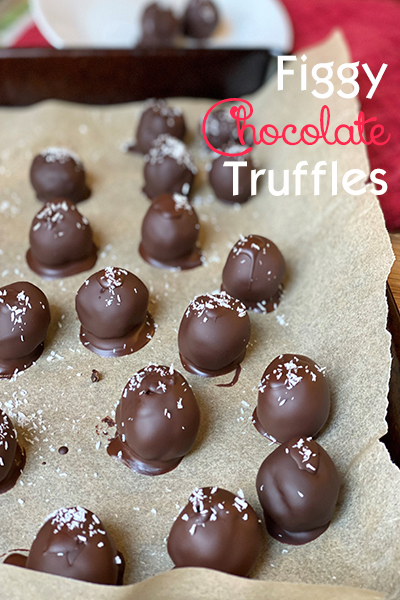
(31, 38)
(372, 29)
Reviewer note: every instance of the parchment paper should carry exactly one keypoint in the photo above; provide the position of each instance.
(334, 310)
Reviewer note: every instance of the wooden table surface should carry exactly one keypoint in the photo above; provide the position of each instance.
(394, 277)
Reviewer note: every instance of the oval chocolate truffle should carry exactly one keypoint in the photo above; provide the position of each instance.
(73, 543)
(160, 27)
(298, 487)
(59, 173)
(216, 530)
(61, 241)
(112, 308)
(221, 130)
(170, 230)
(157, 421)
(213, 335)
(24, 320)
(169, 168)
(221, 178)
(293, 399)
(158, 118)
(253, 273)
(12, 456)
(200, 19)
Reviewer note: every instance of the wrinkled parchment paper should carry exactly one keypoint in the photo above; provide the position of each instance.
(334, 310)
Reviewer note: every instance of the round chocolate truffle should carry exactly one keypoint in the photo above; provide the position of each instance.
(112, 308)
(158, 118)
(221, 129)
(200, 19)
(24, 319)
(216, 530)
(298, 487)
(61, 241)
(73, 543)
(213, 335)
(12, 456)
(160, 27)
(221, 178)
(170, 230)
(254, 272)
(169, 168)
(59, 173)
(293, 399)
(157, 421)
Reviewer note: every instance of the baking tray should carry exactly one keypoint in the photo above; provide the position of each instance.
(103, 77)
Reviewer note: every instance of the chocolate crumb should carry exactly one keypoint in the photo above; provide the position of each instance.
(63, 450)
(95, 376)
(109, 421)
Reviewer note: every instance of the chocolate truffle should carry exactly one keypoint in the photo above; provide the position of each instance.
(24, 319)
(160, 27)
(213, 335)
(254, 272)
(200, 19)
(293, 399)
(12, 456)
(169, 168)
(221, 129)
(73, 543)
(216, 530)
(59, 173)
(221, 178)
(170, 230)
(158, 118)
(61, 241)
(157, 421)
(298, 487)
(112, 308)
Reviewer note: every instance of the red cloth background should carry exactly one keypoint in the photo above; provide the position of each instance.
(372, 29)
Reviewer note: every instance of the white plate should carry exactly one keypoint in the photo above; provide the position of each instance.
(116, 23)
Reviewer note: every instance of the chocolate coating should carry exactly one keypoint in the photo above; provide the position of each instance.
(221, 178)
(112, 308)
(61, 241)
(169, 168)
(216, 530)
(160, 27)
(24, 319)
(12, 457)
(221, 129)
(158, 118)
(73, 543)
(170, 230)
(213, 335)
(200, 19)
(59, 173)
(254, 272)
(298, 487)
(293, 399)
(157, 421)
